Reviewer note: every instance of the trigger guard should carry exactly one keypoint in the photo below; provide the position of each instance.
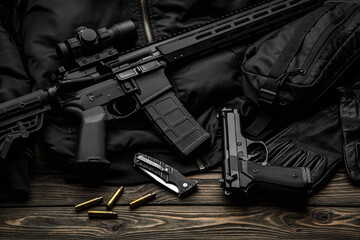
(122, 108)
(254, 145)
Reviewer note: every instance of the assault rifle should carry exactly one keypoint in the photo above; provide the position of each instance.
(99, 82)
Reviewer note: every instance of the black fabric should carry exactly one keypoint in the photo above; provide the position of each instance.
(290, 71)
(313, 141)
(14, 173)
(202, 85)
(269, 90)
(13, 82)
(6, 7)
(197, 86)
(205, 85)
(350, 124)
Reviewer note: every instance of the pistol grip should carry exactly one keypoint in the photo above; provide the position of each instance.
(175, 123)
(91, 143)
(286, 179)
(238, 180)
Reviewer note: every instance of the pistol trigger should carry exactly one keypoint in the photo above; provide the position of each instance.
(253, 155)
(265, 162)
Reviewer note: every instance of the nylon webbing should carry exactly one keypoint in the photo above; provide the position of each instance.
(268, 92)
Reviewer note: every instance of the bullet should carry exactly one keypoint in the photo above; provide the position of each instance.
(134, 204)
(102, 214)
(87, 204)
(114, 198)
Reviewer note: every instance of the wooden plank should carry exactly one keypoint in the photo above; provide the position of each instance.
(181, 222)
(52, 190)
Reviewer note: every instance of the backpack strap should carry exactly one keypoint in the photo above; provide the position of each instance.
(268, 92)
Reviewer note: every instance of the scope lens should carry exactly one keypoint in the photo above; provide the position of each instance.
(123, 35)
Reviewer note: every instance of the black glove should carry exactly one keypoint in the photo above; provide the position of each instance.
(350, 123)
(314, 141)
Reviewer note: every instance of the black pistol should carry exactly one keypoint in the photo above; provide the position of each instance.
(240, 175)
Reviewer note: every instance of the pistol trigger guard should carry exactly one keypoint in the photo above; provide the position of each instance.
(265, 162)
(250, 142)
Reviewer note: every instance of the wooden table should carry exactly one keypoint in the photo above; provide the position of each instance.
(333, 213)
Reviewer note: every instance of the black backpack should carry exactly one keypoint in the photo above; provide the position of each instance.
(297, 65)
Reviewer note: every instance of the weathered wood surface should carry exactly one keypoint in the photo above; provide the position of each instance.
(50, 190)
(333, 213)
(183, 222)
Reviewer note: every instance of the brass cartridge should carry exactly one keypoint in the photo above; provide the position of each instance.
(114, 198)
(102, 214)
(148, 197)
(87, 204)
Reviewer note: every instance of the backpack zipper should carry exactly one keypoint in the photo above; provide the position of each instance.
(326, 37)
(146, 22)
(289, 73)
(318, 49)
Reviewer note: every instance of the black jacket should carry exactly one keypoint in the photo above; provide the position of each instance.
(29, 32)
